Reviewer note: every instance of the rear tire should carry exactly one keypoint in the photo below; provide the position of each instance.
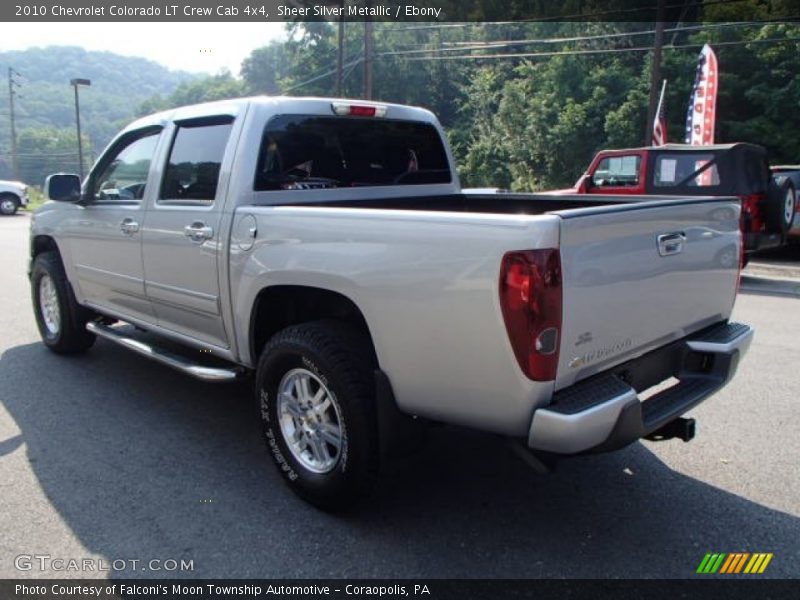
(316, 393)
(61, 320)
(9, 204)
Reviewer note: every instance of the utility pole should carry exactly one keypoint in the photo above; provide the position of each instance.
(368, 58)
(75, 83)
(655, 72)
(340, 56)
(11, 94)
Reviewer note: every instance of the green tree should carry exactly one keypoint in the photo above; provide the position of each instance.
(46, 150)
(46, 99)
(207, 89)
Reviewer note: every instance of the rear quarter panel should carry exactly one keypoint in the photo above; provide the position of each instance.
(427, 284)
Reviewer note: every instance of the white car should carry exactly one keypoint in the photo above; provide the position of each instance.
(13, 194)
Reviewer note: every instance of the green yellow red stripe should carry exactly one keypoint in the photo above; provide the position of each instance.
(734, 562)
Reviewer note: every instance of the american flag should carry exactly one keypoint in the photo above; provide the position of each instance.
(660, 122)
(701, 115)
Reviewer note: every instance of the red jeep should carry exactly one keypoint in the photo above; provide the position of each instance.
(768, 203)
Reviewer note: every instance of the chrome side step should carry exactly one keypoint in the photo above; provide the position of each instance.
(180, 363)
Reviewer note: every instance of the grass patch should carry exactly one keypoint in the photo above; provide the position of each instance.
(35, 198)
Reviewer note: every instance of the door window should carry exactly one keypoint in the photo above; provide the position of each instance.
(192, 173)
(617, 171)
(124, 176)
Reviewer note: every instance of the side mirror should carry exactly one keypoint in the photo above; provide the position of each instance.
(63, 187)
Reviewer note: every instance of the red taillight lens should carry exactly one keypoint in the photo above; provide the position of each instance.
(362, 111)
(752, 218)
(530, 299)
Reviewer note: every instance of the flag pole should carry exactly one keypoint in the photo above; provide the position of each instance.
(661, 98)
(659, 125)
(655, 71)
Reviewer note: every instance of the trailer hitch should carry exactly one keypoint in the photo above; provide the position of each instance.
(681, 428)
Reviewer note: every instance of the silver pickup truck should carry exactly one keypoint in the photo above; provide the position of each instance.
(325, 247)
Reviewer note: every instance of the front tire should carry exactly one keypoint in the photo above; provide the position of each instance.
(8, 204)
(61, 320)
(316, 393)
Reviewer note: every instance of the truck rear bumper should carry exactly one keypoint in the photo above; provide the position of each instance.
(605, 412)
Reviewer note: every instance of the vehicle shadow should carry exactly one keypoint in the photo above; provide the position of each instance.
(762, 286)
(141, 462)
(788, 253)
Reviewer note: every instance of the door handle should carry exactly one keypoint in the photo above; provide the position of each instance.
(128, 226)
(671, 243)
(198, 231)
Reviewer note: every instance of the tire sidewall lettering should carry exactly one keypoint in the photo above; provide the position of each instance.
(271, 438)
(271, 427)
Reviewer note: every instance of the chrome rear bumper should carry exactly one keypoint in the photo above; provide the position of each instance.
(605, 412)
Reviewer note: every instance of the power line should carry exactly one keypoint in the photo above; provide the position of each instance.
(597, 51)
(496, 44)
(576, 16)
(321, 76)
(38, 154)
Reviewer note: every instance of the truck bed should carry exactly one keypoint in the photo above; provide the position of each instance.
(492, 203)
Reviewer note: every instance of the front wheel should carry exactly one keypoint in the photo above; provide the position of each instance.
(8, 204)
(61, 320)
(315, 391)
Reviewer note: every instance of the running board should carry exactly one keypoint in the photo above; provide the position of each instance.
(175, 361)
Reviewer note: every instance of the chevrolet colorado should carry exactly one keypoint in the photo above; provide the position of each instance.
(325, 246)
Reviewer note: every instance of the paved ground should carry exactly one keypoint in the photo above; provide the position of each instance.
(110, 456)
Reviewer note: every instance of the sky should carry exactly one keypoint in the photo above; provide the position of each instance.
(193, 47)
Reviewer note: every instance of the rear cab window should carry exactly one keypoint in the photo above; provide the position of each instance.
(302, 152)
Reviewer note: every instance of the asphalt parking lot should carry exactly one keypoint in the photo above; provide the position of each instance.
(110, 456)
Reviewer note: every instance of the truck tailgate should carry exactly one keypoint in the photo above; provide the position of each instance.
(638, 276)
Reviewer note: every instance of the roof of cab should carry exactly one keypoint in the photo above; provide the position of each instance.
(282, 104)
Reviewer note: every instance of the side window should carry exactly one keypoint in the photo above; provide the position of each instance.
(124, 177)
(615, 171)
(195, 159)
(689, 170)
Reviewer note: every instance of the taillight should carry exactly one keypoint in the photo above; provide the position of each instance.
(359, 110)
(530, 299)
(751, 212)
